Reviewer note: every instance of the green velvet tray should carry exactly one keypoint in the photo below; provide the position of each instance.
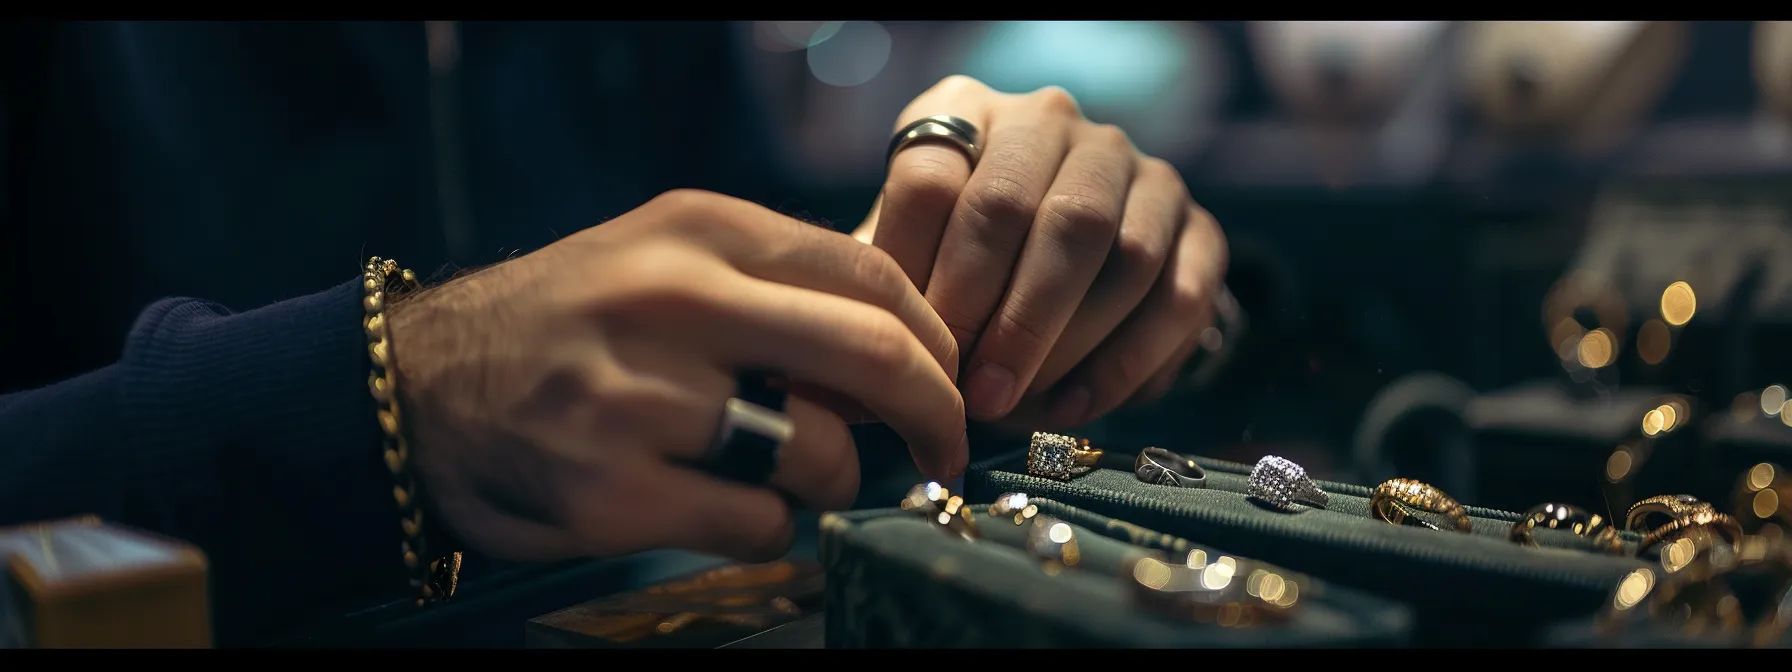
(1467, 589)
(895, 581)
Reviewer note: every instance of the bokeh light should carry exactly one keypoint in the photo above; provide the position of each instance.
(853, 55)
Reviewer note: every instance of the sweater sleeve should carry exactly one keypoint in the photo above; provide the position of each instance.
(250, 435)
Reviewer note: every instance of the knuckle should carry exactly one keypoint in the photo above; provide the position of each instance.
(1001, 197)
(1085, 220)
(926, 181)
(886, 346)
(1159, 168)
(1137, 258)
(1022, 330)
(959, 83)
(1109, 135)
(1057, 100)
(965, 325)
(1187, 297)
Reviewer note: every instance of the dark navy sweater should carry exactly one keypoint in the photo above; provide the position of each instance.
(251, 163)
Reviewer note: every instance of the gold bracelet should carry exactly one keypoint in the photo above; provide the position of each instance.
(436, 579)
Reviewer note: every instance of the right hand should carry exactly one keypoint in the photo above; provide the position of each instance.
(555, 401)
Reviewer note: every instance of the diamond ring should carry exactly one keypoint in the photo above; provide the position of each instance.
(1057, 456)
(1281, 483)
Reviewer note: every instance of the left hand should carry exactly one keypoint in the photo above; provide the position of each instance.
(1075, 272)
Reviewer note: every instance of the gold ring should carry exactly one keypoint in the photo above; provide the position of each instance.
(1574, 519)
(942, 509)
(1225, 591)
(1396, 501)
(1660, 507)
(1702, 519)
(1058, 457)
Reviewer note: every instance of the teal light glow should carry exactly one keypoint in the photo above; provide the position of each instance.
(1102, 63)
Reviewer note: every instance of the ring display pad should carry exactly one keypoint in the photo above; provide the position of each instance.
(894, 581)
(1476, 589)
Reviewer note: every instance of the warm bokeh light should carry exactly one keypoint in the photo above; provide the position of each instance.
(1678, 303)
(1653, 341)
(1670, 416)
(1653, 422)
(1617, 467)
(1597, 349)
(1773, 399)
(1633, 588)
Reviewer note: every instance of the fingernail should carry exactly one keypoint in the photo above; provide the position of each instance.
(1070, 408)
(988, 391)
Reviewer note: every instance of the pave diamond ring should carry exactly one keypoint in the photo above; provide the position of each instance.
(1057, 456)
(1281, 483)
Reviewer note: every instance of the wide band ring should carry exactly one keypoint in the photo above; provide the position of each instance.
(753, 430)
(1224, 591)
(1058, 457)
(1158, 466)
(959, 132)
(1655, 511)
(1396, 501)
(1281, 483)
(1706, 520)
(1594, 527)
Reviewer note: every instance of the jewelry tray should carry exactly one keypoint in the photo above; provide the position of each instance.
(896, 581)
(1476, 589)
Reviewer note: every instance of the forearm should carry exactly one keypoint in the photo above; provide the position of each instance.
(251, 435)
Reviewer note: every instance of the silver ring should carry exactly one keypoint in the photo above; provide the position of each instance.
(746, 445)
(1162, 467)
(962, 134)
(1058, 457)
(1281, 483)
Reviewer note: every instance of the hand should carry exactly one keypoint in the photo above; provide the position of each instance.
(1075, 271)
(556, 399)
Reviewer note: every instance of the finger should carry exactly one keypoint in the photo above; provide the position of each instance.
(771, 246)
(1157, 207)
(694, 511)
(926, 178)
(853, 348)
(1071, 237)
(820, 464)
(1178, 306)
(1166, 377)
(990, 224)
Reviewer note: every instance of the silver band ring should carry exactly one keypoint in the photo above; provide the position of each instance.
(753, 430)
(962, 134)
(1281, 483)
(1162, 467)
